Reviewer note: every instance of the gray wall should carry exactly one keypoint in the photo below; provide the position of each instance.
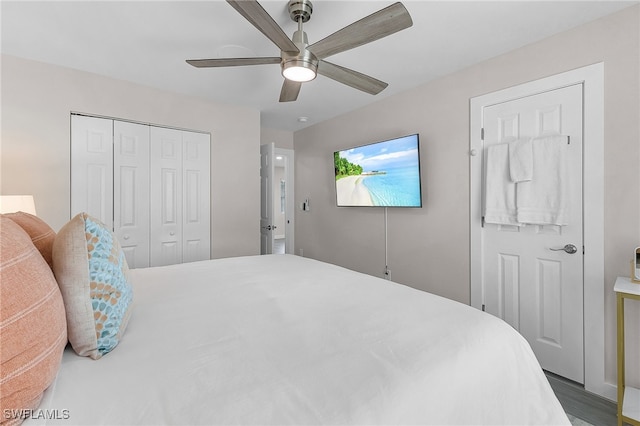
(428, 248)
(281, 138)
(37, 100)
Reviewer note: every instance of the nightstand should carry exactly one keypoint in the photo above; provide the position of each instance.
(628, 397)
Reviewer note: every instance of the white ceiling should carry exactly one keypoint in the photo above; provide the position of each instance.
(147, 42)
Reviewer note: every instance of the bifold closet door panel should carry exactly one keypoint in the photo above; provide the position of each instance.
(92, 167)
(196, 234)
(150, 184)
(131, 190)
(166, 196)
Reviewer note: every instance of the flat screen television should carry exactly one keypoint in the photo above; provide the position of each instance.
(381, 174)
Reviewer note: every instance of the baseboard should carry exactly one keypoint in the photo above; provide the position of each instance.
(605, 390)
(610, 392)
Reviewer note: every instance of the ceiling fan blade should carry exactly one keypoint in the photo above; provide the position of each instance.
(259, 18)
(232, 62)
(380, 24)
(351, 78)
(290, 90)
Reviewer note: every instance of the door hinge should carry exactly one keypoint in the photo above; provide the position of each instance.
(482, 134)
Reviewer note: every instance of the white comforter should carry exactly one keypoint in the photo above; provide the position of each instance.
(288, 340)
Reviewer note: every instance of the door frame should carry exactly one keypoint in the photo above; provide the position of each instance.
(270, 150)
(289, 216)
(592, 79)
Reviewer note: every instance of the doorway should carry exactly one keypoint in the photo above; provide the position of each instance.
(283, 211)
(526, 280)
(590, 82)
(277, 200)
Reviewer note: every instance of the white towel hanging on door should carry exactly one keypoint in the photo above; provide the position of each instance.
(543, 199)
(521, 160)
(500, 192)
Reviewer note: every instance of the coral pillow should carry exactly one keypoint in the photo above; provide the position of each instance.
(92, 273)
(40, 232)
(32, 324)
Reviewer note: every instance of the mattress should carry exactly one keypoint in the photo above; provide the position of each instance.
(280, 339)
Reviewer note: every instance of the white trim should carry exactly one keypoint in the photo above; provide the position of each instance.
(592, 79)
(144, 123)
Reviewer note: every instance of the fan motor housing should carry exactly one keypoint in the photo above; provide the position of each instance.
(304, 59)
(300, 10)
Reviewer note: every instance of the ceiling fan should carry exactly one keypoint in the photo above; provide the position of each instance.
(300, 62)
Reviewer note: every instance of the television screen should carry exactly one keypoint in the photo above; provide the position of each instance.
(382, 174)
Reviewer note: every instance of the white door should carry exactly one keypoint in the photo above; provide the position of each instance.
(196, 228)
(266, 198)
(150, 185)
(131, 191)
(166, 196)
(92, 167)
(532, 286)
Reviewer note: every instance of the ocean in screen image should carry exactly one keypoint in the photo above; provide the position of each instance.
(396, 187)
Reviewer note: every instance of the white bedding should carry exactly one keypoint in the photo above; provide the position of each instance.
(287, 340)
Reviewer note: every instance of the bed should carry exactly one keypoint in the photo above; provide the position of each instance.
(281, 339)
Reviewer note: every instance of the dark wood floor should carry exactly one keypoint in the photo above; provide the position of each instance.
(584, 405)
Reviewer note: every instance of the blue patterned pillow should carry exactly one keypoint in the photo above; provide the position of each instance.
(92, 273)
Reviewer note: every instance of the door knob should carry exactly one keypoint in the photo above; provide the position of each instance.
(269, 227)
(569, 248)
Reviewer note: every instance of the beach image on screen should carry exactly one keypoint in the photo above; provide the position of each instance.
(385, 174)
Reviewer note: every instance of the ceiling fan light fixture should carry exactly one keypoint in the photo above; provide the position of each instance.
(299, 70)
(298, 60)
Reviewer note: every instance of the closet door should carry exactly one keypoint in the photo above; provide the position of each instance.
(92, 167)
(131, 191)
(150, 185)
(196, 235)
(166, 196)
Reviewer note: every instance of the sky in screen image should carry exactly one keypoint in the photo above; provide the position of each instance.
(402, 152)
